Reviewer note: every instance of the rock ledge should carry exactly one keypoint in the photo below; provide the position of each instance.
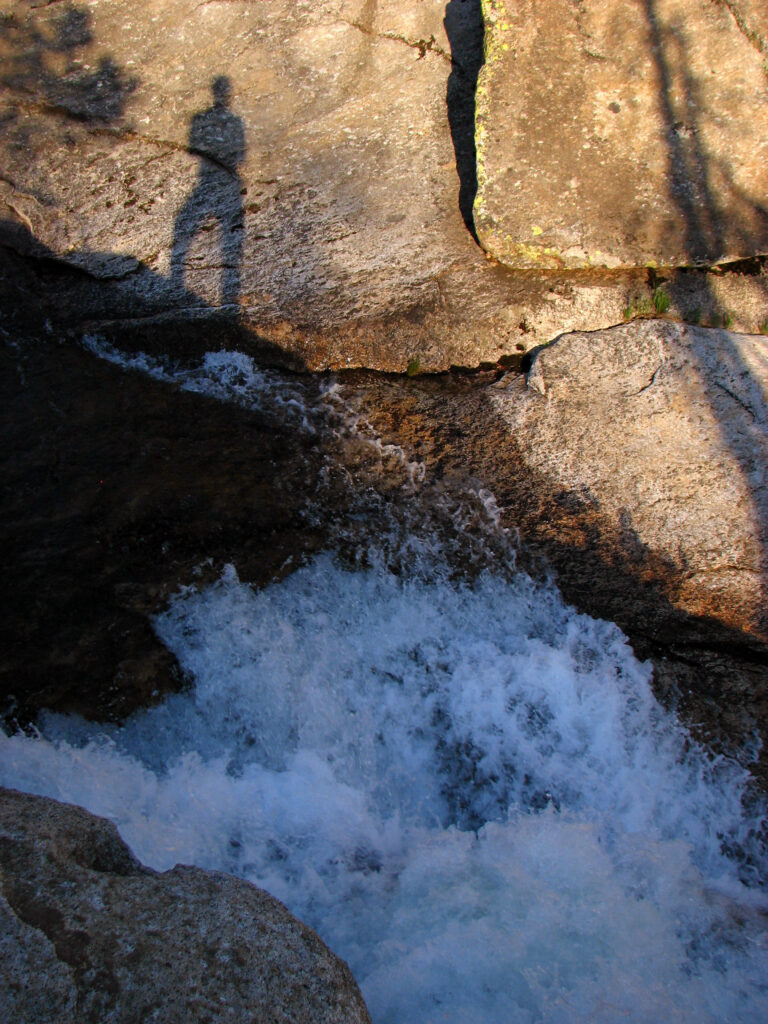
(89, 934)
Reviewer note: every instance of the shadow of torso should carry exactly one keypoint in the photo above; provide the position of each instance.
(217, 137)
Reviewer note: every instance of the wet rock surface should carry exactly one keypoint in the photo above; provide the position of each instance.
(117, 489)
(89, 934)
(625, 135)
(631, 463)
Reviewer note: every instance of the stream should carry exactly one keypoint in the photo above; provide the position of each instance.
(464, 785)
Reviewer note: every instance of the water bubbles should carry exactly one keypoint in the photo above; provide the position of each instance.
(467, 788)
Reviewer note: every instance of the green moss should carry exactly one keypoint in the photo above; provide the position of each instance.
(720, 318)
(494, 18)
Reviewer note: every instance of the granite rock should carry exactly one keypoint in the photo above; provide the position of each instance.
(90, 935)
(297, 177)
(661, 428)
(623, 135)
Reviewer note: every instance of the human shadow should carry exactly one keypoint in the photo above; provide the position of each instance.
(217, 138)
(465, 30)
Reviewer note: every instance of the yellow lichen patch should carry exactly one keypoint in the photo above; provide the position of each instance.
(494, 16)
(523, 254)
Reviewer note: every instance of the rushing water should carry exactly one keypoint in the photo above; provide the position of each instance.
(466, 787)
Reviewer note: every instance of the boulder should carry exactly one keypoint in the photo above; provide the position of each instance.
(660, 428)
(89, 934)
(623, 135)
(297, 177)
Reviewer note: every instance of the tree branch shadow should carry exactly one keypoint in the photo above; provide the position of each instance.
(45, 60)
(695, 181)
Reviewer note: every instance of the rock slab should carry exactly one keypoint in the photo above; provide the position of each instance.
(660, 429)
(295, 176)
(90, 935)
(288, 164)
(623, 135)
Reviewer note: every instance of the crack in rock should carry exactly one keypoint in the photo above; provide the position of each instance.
(650, 383)
(424, 46)
(736, 399)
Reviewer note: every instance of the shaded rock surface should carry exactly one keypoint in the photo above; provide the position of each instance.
(89, 934)
(623, 135)
(305, 182)
(116, 489)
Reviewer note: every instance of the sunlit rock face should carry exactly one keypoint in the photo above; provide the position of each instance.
(303, 175)
(288, 164)
(286, 114)
(91, 934)
(660, 429)
(623, 135)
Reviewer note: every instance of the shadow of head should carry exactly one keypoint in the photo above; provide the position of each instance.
(221, 87)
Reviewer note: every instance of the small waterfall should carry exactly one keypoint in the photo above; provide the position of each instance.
(465, 786)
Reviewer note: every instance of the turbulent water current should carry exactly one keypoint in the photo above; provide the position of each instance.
(466, 787)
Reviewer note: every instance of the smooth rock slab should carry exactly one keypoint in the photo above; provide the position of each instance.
(330, 199)
(622, 135)
(662, 431)
(89, 935)
(330, 225)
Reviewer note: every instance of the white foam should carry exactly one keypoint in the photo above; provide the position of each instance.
(234, 377)
(469, 791)
(228, 376)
